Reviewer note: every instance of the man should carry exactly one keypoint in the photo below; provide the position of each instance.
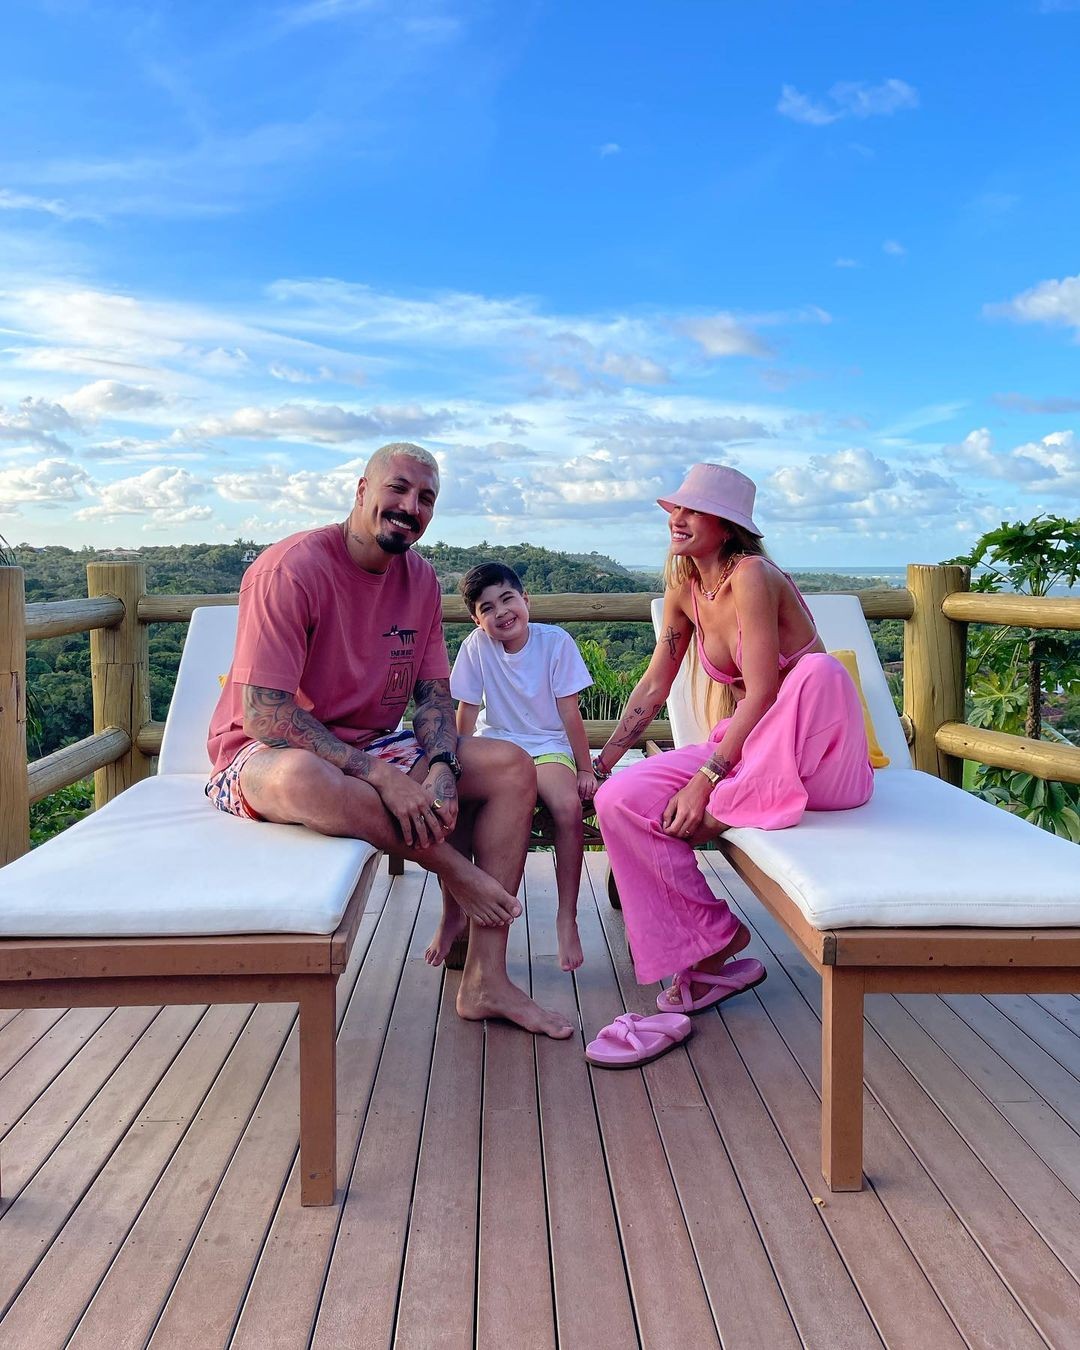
(338, 627)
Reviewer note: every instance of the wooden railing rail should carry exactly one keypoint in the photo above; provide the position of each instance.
(22, 784)
(58, 618)
(1020, 611)
(1042, 759)
(936, 607)
(67, 766)
(561, 607)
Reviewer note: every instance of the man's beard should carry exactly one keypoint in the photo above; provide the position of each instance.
(398, 543)
(393, 543)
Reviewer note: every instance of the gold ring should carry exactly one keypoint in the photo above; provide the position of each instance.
(438, 803)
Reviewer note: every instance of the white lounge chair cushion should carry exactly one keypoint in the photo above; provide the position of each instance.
(920, 853)
(161, 861)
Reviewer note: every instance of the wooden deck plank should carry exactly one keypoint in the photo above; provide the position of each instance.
(592, 1298)
(288, 1281)
(893, 1287)
(53, 1300)
(360, 1298)
(1010, 1071)
(963, 1278)
(208, 1297)
(674, 1309)
(42, 1207)
(442, 1243)
(152, 1204)
(25, 1081)
(23, 1030)
(1052, 1211)
(41, 1128)
(1032, 1273)
(821, 1298)
(1047, 1024)
(129, 1300)
(513, 1206)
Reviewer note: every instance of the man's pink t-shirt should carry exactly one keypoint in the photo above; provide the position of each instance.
(349, 644)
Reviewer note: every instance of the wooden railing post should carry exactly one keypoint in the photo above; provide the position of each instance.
(14, 789)
(120, 673)
(935, 649)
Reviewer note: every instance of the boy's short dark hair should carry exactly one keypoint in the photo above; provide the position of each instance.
(477, 579)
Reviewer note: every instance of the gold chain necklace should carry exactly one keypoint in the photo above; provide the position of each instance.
(728, 569)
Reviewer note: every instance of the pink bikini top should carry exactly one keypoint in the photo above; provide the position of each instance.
(785, 661)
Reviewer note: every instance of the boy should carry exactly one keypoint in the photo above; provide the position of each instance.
(527, 677)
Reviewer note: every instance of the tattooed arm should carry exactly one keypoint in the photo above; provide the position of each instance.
(274, 717)
(652, 689)
(435, 728)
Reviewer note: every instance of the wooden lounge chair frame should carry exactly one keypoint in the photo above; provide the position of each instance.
(255, 968)
(853, 962)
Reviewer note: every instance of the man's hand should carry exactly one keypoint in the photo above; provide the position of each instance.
(411, 804)
(442, 786)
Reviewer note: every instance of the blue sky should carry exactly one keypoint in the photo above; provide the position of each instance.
(571, 248)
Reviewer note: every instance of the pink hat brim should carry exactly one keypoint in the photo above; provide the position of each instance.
(693, 502)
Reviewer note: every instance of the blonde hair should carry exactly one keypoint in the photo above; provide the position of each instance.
(719, 699)
(406, 450)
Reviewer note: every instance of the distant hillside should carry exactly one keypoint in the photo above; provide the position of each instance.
(58, 669)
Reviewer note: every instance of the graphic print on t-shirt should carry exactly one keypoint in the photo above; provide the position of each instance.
(399, 682)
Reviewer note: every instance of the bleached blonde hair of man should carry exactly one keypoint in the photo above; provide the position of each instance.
(406, 450)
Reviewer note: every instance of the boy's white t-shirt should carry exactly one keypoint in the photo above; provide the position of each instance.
(518, 689)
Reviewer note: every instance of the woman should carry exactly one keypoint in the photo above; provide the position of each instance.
(792, 740)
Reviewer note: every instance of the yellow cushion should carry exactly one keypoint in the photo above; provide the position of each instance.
(878, 757)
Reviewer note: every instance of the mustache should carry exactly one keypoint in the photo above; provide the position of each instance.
(402, 518)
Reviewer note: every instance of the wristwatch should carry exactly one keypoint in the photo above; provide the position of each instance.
(448, 758)
(710, 774)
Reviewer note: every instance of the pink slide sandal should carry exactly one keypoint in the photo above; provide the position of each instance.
(736, 978)
(633, 1039)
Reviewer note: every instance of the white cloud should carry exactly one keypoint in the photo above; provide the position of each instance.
(852, 98)
(847, 262)
(610, 148)
(894, 248)
(34, 422)
(111, 398)
(724, 335)
(50, 206)
(164, 493)
(846, 476)
(50, 482)
(1053, 302)
(1050, 464)
(324, 423)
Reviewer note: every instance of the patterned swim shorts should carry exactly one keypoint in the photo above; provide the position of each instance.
(399, 748)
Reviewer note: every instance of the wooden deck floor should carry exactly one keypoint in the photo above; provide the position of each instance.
(493, 1191)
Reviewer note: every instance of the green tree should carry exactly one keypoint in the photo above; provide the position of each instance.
(1006, 669)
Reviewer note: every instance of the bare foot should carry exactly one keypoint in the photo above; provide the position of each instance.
(475, 1001)
(570, 953)
(740, 941)
(485, 902)
(714, 965)
(452, 926)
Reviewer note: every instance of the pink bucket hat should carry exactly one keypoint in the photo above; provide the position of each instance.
(718, 491)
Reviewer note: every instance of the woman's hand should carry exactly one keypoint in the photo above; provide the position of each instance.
(684, 814)
(586, 784)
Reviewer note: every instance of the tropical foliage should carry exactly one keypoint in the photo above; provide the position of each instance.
(1023, 680)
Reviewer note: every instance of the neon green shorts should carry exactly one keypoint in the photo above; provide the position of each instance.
(556, 758)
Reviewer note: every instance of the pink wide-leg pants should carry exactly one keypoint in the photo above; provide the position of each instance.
(808, 752)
